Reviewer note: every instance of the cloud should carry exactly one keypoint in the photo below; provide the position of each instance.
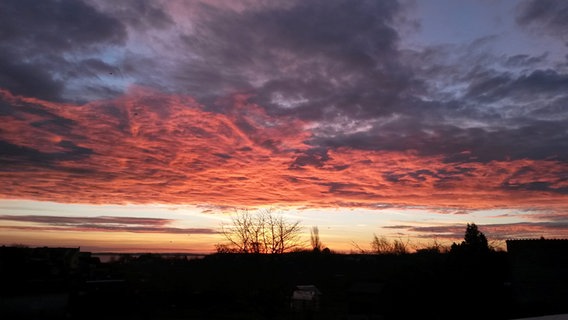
(315, 103)
(142, 15)
(495, 232)
(501, 85)
(102, 223)
(476, 106)
(151, 147)
(41, 43)
(319, 60)
(338, 65)
(536, 224)
(546, 16)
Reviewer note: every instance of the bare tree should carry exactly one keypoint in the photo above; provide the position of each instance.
(261, 232)
(239, 233)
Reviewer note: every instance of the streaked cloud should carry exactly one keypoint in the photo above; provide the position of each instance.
(149, 147)
(101, 224)
(495, 232)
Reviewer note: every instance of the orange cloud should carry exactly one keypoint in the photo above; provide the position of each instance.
(152, 147)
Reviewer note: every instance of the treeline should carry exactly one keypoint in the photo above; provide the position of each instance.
(462, 283)
(425, 285)
(268, 232)
(470, 280)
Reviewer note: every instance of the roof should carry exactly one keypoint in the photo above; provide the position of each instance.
(549, 317)
(309, 287)
(305, 292)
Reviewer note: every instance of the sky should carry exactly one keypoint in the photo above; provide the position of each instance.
(143, 126)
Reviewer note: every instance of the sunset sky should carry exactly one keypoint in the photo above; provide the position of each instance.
(142, 126)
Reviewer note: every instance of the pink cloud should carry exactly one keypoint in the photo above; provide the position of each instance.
(152, 147)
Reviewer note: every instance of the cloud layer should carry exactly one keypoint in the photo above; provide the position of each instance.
(304, 103)
(102, 223)
(152, 147)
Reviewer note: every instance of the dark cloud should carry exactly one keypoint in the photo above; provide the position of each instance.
(92, 67)
(315, 157)
(16, 150)
(102, 223)
(535, 186)
(56, 26)
(524, 179)
(62, 220)
(26, 78)
(496, 232)
(516, 139)
(39, 40)
(523, 60)
(137, 14)
(545, 16)
(490, 87)
(336, 63)
(470, 110)
(16, 156)
(316, 59)
(556, 108)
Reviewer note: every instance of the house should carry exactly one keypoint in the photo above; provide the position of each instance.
(305, 298)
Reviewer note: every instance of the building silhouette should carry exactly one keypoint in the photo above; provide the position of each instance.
(539, 274)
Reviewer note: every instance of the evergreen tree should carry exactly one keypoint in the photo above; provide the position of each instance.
(474, 241)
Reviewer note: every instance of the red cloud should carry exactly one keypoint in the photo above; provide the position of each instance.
(151, 147)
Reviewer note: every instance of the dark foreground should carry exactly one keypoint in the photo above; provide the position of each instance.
(425, 285)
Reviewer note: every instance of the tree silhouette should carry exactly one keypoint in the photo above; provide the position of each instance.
(260, 232)
(475, 238)
(474, 241)
(381, 245)
(476, 271)
(315, 239)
